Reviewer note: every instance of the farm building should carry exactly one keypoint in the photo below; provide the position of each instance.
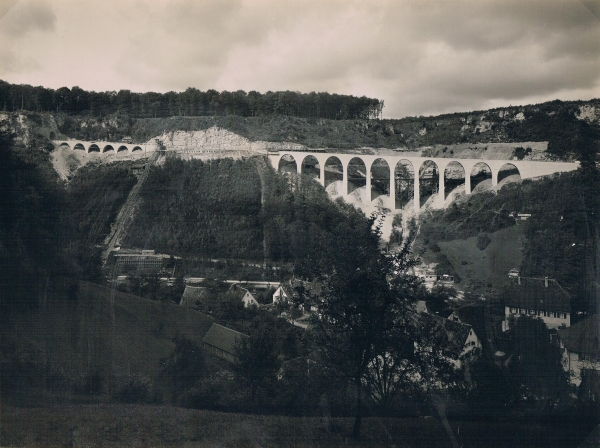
(462, 342)
(537, 297)
(221, 341)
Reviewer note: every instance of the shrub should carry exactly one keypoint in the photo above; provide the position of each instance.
(483, 239)
(137, 389)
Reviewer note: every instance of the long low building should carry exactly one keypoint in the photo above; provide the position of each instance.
(221, 341)
(139, 261)
(537, 297)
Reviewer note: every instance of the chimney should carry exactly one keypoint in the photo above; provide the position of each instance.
(545, 282)
(519, 279)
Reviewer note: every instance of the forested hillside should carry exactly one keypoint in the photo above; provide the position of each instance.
(559, 237)
(31, 222)
(317, 120)
(191, 102)
(213, 210)
(48, 227)
(95, 195)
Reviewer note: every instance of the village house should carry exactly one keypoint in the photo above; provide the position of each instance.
(460, 339)
(221, 341)
(244, 295)
(581, 345)
(537, 297)
(138, 168)
(193, 296)
(194, 280)
(282, 294)
(474, 315)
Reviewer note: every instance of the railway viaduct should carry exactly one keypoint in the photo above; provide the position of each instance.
(328, 167)
(99, 146)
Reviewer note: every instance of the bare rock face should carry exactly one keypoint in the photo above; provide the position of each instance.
(219, 141)
(589, 113)
(28, 126)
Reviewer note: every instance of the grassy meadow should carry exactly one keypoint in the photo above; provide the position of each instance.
(163, 426)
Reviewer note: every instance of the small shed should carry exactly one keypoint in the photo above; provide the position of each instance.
(221, 341)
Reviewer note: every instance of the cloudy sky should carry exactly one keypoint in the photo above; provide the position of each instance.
(422, 57)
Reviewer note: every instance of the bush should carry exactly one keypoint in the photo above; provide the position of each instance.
(521, 152)
(183, 369)
(137, 389)
(483, 240)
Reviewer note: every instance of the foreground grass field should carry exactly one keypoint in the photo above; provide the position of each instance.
(162, 426)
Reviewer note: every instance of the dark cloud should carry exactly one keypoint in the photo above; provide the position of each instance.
(420, 56)
(19, 19)
(26, 16)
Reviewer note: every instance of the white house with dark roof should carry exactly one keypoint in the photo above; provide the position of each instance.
(282, 294)
(581, 344)
(244, 295)
(460, 341)
(473, 314)
(539, 297)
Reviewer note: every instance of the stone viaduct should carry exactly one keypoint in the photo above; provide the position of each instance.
(428, 168)
(100, 146)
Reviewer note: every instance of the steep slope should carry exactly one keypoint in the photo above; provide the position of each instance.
(85, 333)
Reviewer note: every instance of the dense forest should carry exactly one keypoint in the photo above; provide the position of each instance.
(48, 227)
(31, 223)
(314, 119)
(223, 209)
(191, 102)
(95, 195)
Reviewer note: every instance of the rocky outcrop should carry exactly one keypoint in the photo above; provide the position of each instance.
(216, 140)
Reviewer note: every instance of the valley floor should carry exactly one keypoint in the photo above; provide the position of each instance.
(163, 426)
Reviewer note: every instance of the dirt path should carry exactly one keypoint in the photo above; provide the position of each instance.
(126, 214)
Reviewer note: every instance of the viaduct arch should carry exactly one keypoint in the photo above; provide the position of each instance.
(439, 175)
(101, 147)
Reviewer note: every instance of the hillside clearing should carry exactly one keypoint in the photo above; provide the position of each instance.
(478, 268)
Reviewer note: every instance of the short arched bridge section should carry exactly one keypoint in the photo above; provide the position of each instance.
(422, 175)
(101, 147)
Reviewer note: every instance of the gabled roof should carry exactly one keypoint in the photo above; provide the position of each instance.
(239, 291)
(473, 315)
(456, 333)
(311, 288)
(583, 337)
(223, 338)
(532, 294)
(192, 294)
(287, 290)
